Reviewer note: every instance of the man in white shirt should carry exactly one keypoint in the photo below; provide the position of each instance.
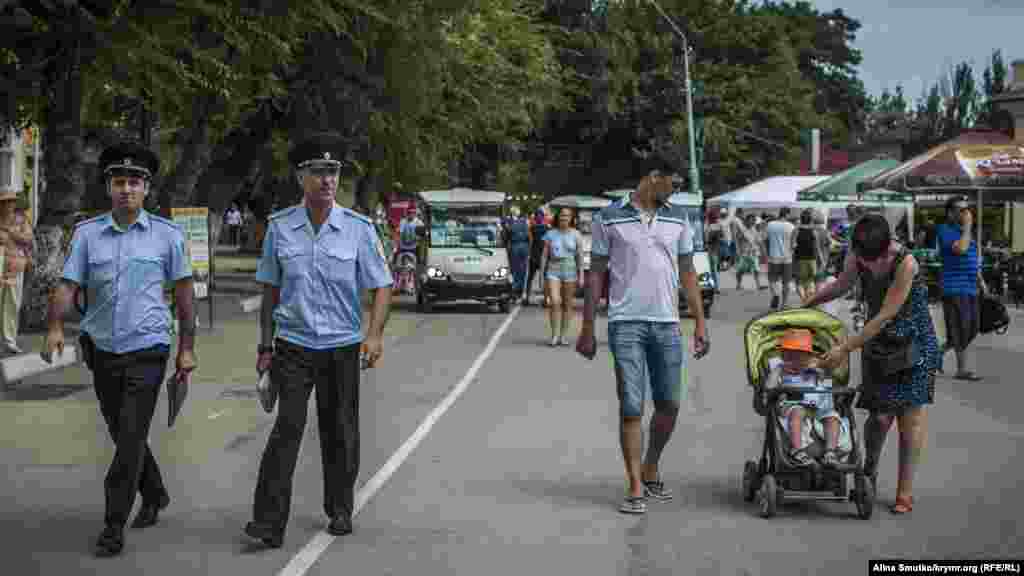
(779, 236)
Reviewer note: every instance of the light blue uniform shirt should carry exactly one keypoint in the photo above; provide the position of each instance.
(321, 276)
(124, 272)
(643, 260)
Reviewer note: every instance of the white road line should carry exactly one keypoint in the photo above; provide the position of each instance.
(309, 554)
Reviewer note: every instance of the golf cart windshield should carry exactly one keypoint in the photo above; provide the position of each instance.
(465, 227)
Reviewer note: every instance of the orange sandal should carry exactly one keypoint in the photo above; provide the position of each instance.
(902, 505)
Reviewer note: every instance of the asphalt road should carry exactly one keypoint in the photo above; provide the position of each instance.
(521, 475)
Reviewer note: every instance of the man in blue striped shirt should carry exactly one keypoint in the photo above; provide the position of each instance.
(961, 277)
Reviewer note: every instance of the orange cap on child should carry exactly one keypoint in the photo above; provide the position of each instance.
(797, 339)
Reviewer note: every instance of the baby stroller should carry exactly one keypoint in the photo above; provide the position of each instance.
(776, 478)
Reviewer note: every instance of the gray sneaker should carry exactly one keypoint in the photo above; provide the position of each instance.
(656, 490)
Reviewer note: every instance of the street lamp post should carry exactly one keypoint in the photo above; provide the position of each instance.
(694, 172)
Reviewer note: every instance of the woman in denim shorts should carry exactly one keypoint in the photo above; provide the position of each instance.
(562, 266)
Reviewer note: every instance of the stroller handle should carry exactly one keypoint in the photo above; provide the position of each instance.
(810, 390)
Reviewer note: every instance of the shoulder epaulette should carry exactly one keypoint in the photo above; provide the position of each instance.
(281, 213)
(356, 215)
(165, 221)
(90, 221)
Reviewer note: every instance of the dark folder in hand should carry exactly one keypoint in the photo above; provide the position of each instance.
(177, 390)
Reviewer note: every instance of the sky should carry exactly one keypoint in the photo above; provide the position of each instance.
(913, 42)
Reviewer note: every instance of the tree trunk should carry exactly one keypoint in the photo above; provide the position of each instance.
(62, 182)
(196, 155)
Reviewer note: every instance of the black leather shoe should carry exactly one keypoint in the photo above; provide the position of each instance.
(270, 537)
(149, 513)
(110, 542)
(340, 525)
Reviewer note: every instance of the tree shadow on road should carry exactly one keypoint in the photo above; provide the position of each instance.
(724, 494)
(601, 493)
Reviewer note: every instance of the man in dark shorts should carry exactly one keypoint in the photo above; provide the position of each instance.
(961, 278)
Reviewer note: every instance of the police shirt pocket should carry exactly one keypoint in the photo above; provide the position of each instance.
(340, 262)
(101, 269)
(291, 260)
(146, 270)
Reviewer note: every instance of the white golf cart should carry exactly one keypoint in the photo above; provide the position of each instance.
(693, 206)
(466, 256)
(585, 207)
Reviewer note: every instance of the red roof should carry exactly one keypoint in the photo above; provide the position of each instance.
(832, 162)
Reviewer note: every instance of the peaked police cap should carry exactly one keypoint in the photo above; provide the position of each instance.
(129, 157)
(323, 148)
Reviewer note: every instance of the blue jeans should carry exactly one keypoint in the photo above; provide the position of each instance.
(640, 349)
(519, 259)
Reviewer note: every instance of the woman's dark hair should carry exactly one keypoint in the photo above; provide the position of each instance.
(806, 217)
(871, 237)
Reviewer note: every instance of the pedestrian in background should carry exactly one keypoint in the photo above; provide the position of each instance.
(124, 258)
(805, 253)
(16, 237)
(779, 240)
(537, 231)
(824, 253)
(961, 278)
(233, 220)
(317, 259)
(518, 241)
(563, 261)
(647, 246)
(748, 258)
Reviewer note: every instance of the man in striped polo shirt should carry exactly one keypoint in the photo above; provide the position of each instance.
(961, 277)
(646, 245)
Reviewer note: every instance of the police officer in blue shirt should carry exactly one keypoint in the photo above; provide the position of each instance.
(317, 259)
(123, 258)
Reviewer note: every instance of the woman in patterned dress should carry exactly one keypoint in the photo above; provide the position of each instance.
(897, 300)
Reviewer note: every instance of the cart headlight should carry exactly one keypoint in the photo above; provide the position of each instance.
(500, 273)
(433, 272)
(704, 278)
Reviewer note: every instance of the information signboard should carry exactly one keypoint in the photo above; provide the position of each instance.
(194, 221)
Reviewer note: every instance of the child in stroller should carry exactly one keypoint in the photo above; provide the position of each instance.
(813, 417)
(808, 414)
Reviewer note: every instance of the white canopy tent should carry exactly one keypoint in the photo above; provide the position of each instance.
(778, 191)
(773, 192)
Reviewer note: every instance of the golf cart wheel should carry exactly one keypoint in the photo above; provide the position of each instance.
(749, 481)
(503, 306)
(707, 310)
(423, 303)
(865, 497)
(769, 496)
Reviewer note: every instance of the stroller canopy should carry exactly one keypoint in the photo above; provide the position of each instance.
(762, 334)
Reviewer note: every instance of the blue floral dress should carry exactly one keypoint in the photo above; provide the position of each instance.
(910, 388)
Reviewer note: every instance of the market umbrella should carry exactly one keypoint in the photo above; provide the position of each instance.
(986, 163)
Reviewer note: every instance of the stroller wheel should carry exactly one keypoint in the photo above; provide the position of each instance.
(865, 497)
(749, 481)
(769, 496)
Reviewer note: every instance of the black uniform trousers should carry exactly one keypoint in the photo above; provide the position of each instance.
(334, 373)
(128, 386)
